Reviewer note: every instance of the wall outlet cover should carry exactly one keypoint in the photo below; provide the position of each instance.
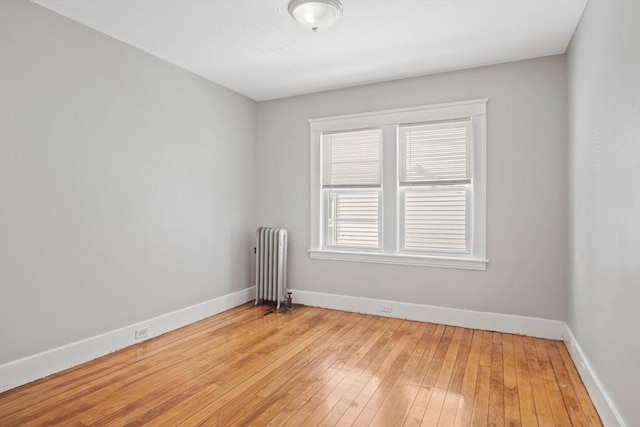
(141, 333)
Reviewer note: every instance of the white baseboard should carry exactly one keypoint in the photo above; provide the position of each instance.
(608, 412)
(25, 370)
(531, 326)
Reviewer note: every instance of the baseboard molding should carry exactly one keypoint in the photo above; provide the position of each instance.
(31, 368)
(531, 326)
(608, 412)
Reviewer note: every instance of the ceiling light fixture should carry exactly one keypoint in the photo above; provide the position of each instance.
(315, 14)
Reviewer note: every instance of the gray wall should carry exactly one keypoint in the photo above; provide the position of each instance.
(526, 196)
(128, 188)
(127, 184)
(604, 207)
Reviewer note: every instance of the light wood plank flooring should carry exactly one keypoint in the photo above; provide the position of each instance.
(311, 367)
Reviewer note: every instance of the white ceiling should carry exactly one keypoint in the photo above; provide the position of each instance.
(255, 48)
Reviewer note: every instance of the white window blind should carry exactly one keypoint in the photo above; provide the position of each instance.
(351, 184)
(433, 153)
(435, 176)
(435, 220)
(352, 158)
(353, 219)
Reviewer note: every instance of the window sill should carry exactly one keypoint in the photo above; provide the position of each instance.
(415, 260)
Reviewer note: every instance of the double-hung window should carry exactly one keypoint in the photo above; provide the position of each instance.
(401, 186)
(352, 187)
(435, 182)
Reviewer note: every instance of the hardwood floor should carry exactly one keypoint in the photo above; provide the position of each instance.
(311, 367)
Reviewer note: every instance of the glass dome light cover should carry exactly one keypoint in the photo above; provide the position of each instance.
(315, 14)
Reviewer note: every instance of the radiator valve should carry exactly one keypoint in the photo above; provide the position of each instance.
(289, 301)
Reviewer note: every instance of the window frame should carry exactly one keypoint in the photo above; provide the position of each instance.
(388, 121)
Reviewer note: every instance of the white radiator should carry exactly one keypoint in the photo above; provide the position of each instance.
(271, 265)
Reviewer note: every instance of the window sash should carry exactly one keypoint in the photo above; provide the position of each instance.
(352, 158)
(434, 153)
(352, 219)
(439, 221)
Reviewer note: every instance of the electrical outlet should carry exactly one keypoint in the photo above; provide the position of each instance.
(385, 308)
(141, 333)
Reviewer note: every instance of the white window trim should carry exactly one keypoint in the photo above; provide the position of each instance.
(387, 120)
